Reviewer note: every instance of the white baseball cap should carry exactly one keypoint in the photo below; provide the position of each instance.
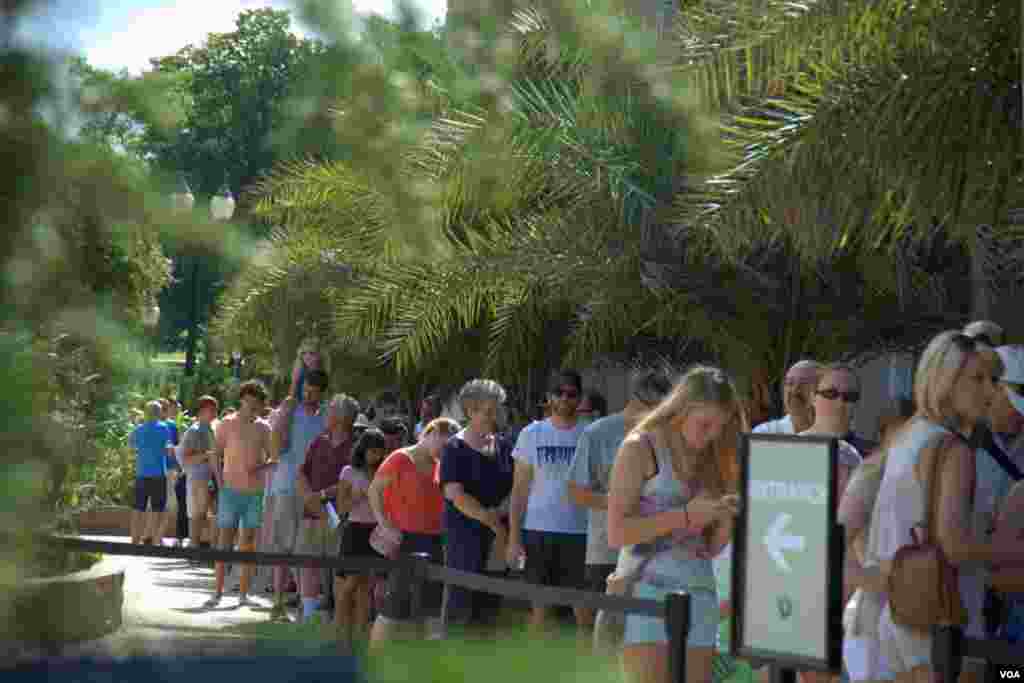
(1013, 373)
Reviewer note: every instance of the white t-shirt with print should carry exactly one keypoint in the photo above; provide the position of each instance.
(551, 452)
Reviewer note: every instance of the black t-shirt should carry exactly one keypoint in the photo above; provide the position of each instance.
(488, 478)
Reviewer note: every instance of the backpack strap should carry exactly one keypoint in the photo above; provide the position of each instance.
(991, 447)
(646, 436)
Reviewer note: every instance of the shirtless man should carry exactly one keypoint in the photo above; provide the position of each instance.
(244, 441)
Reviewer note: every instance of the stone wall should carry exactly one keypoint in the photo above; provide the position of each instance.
(79, 606)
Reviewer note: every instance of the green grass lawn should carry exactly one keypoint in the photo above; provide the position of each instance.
(508, 655)
(506, 659)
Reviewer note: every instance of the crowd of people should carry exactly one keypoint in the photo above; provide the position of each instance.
(641, 502)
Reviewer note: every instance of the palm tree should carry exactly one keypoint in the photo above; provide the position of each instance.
(891, 122)
(539, 207)
(577, 224)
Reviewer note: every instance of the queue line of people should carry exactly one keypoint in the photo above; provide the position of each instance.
(641, 502)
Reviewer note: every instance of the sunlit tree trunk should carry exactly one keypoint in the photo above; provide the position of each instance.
(981, 300)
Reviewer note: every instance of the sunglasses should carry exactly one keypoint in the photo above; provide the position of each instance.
(967, 343)
(832, 394)
(1015, 388)
(567, 393)
(985, 339)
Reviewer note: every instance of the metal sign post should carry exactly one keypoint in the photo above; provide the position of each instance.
(788, 554)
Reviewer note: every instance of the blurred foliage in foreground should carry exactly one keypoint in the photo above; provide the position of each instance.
(81, 261)
(505, 199)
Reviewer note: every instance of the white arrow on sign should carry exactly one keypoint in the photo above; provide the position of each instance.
(776, 541)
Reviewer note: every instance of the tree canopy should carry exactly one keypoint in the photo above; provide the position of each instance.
(233, 92)
(585, 212)
(209, 112)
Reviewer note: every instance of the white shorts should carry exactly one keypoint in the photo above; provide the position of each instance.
(865, 660)
(903, 648)
(284, 513)
(190, 504)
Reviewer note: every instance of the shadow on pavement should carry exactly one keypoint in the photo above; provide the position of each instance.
(203, 609)
(197, 585)
(177, 566)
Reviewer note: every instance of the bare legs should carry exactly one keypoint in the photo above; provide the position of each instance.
(154, 520)
(138, 526)
(146, 526)
(649, 663)
(246, 544)
(540, 618)
(225, 541)
(351, 606)
(199, 493)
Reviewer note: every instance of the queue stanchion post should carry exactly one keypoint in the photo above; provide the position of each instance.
(416, 575)
(781, 674)
(677, 621)
(947, 648)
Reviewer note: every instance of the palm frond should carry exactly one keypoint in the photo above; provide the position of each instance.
(876, 95)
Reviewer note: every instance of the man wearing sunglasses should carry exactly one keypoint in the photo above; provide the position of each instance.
(545, 526)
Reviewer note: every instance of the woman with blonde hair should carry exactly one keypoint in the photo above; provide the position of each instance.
(671, 508)
(953, 389)
(861, 644)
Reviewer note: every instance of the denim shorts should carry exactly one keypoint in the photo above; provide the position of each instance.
(704, 615)
(239, 509)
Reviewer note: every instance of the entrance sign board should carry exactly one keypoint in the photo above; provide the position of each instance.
(788, 553)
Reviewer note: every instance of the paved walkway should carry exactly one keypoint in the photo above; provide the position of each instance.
(164, 614)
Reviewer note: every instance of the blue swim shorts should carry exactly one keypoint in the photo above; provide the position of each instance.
(239, 509)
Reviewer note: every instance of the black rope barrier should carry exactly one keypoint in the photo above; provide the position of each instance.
(994, 651)
(950, 646)
(544, 595)
(417, 568)
(675, 610)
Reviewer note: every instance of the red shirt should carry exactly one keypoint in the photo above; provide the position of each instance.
(324, 462)
(412, 501)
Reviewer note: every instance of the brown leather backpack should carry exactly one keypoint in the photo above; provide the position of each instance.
(923, 585)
